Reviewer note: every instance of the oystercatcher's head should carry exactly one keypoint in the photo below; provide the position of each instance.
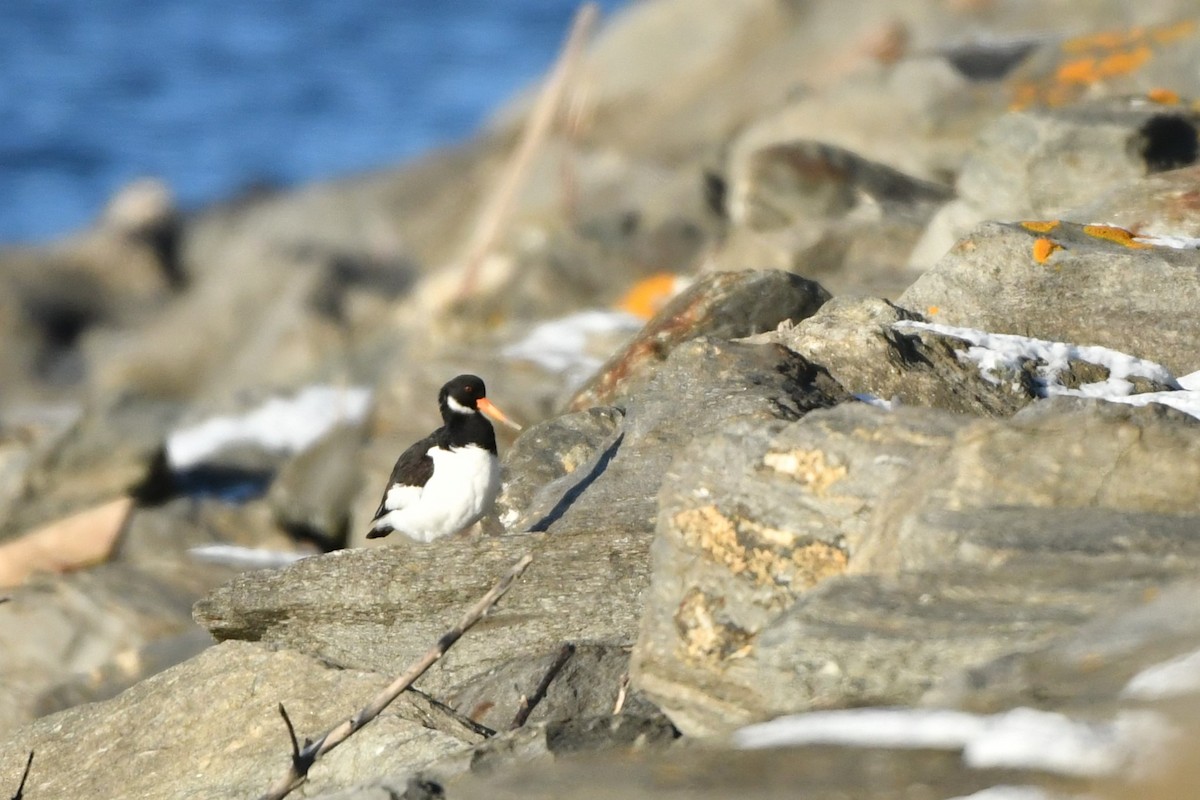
(467, 395)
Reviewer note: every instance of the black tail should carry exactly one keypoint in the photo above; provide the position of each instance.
(380, 532)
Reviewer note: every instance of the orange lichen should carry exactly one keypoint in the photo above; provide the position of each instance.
(1043, 248)
(1123, 63)
(647, 296)
(1080, 70)
(1105, 40)
(1112, 233)
(1163, 96)
(1096, 58)
(932, 311)
(1166, 34)
(1040, 225)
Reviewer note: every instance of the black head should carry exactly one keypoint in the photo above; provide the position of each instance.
(461, 395)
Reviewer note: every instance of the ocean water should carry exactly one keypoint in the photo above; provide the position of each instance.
(215, 96)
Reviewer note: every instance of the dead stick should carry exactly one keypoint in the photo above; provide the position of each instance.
(530, 703)
(24, 777)
(496, 212)
(307, 756)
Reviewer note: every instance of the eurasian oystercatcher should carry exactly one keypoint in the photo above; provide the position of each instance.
(447, 481)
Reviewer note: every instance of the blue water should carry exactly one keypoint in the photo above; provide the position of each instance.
(217, 95)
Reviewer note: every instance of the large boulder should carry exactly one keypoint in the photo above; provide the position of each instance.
(1088, 284)
(856, 556)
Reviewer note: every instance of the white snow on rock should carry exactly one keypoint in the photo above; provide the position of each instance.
(1023, 738)
(560, 345)
(284, 425)
(1173, 678)
(1176, 242)
(997, 354)
(232, 555)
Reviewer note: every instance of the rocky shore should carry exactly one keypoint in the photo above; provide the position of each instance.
(859, 357)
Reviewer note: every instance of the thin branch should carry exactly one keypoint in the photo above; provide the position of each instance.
(499, 206)
(621, 693)
(304, 758)
(454, 714)
(530, 703)
(24, 777)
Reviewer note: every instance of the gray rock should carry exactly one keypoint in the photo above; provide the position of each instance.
(313, 492)
(1088, 672)
(855, 340)
(210, 728)
(825, 213)
(713, 773)
(586, 681)
(1105, 287)
(932, 542)
(724, 305)
(700, 386)
(549, 451)
(376, 609)
(1018, 170)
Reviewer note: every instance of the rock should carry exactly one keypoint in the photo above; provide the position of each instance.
(312, 494)
(928, 539)
(855, 339)
(701, 385)
(1104, 284)
(586, 681)
(111, 449)
(228, 695)
(1162, 204)
(1018, 172)
(723, 305)
(376, 609)
(711, 773)
(1094, 669)
(550, 451)
(820, 211)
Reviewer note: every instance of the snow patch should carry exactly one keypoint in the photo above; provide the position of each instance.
(560, 345)
(1173, 678)
(1023, 738)
(232, 555)
(285, 425)
(877, 402)
(1176, 242)
(998, 354)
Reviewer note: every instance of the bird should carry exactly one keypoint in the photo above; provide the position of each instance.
(446, 482)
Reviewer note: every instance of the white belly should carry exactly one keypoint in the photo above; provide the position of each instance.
(463, 488)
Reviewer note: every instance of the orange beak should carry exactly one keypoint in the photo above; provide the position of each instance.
(485, 405)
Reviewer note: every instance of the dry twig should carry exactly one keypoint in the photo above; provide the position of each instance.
(304, 757)
(24, 777)
(498, 207)
(528, 703)
(622, 691)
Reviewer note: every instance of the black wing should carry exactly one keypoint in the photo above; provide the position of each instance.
(414, 467)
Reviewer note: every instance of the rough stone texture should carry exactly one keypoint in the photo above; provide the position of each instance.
(853, 338)
(1099, 287)
(1087, 671)
(724, 305)
(1042, 163)
(812, 208)
(586, 684)
(376, 609)
(312, 494)
(701, 385)
(549, 451)
(90, 634)
(210, 728)
(956, 541)
(709, 773)
(1163, 204)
